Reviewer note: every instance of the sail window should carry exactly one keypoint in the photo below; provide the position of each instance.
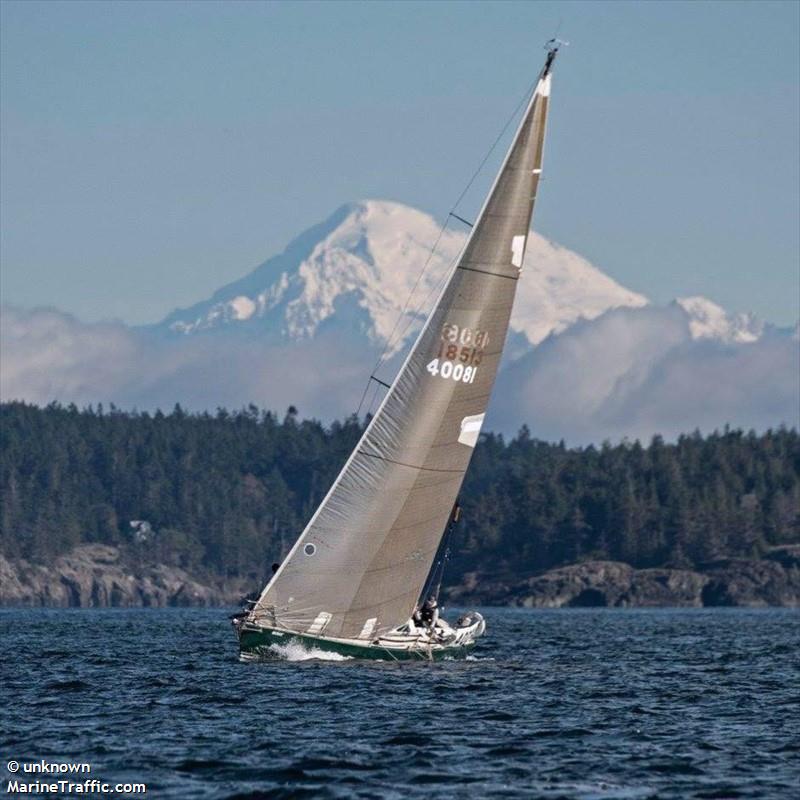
(309, 549)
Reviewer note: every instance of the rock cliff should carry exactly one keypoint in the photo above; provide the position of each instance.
(97, 576)
(771, 581)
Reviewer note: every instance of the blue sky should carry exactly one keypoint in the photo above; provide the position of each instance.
(152, 152)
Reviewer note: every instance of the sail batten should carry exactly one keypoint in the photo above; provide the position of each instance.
(360, 564)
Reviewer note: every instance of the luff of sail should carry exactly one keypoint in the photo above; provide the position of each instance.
(360, 564)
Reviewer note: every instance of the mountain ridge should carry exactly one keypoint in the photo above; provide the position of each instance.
(373, 259)
(380, 252)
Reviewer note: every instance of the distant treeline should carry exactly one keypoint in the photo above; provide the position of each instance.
(228, 493)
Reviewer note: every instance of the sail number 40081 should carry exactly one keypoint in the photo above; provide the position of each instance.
(447, 369)
(460, 352)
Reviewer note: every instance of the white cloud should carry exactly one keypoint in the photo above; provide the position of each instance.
(47, 355)
(636, 372)
(755, 385)
(630, 372)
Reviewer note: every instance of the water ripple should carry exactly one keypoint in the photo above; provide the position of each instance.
(590, 704)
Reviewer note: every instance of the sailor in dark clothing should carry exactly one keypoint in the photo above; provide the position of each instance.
(428, 615)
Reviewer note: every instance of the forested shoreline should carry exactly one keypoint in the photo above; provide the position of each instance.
(226, 494)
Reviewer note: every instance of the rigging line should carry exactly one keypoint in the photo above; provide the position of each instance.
(491, 274)
(451, 268)
(371, 403)
(379, 362)
(387, 650)
(410, 466)
(461, 219)
(363, 395)
(375, 396)
(531, 88)
(502, 133)
(444, 549)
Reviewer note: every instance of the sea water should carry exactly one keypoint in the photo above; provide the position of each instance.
(554, 704)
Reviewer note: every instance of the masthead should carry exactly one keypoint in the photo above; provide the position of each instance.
(552, 46)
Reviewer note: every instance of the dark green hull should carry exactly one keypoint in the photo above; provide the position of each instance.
(255, 642)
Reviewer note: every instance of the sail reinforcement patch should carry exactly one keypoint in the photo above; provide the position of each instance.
(318, 625)
(470, 428)
(517, 251)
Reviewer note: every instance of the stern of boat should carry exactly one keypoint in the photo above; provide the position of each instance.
(469, 627)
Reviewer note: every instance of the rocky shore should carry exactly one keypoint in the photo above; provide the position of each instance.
(752, 583)
(98, 576)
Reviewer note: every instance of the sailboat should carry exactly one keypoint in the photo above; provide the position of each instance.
(354, 581)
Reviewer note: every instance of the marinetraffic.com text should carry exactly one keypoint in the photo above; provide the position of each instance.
(57, 777)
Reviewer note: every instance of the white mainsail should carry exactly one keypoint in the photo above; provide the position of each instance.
(359, 566)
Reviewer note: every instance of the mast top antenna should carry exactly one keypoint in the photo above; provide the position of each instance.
(553, 45)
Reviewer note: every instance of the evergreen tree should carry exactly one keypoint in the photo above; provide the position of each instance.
(228, 493)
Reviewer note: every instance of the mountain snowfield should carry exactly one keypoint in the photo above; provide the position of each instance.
(369, 267)
(587, 359)
(360, 269)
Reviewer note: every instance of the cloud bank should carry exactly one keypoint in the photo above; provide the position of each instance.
(46, 355)
(631, 372)
(637, 372)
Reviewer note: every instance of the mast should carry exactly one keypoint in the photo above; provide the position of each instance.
(359, 566)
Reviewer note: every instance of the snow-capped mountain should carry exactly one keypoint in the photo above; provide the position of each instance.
(587, 359)
(358, 269)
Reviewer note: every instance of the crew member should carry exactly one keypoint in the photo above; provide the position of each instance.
(429, 613)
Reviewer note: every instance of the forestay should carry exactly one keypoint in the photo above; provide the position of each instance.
(359, 566)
